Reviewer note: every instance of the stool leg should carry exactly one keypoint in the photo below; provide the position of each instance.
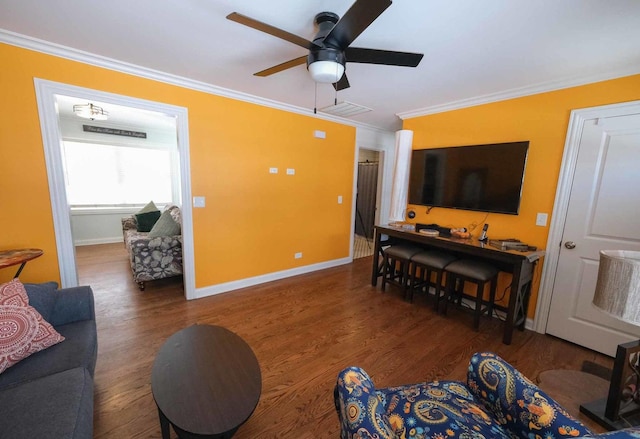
(449, 291)
(478, 310)
(412, 281)
(405, 277)
(492, 295)
(438, 288)
(385, 271)
(427, 280)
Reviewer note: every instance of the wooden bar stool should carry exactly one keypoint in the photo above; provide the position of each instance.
(427, 263)
(477, 272)
(397, 260)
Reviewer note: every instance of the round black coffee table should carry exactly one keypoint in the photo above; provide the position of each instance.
(206, 382)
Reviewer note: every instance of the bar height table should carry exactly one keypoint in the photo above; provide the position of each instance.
(519, 264)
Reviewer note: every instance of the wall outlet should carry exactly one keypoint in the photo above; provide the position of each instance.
(541, 219)
(339, 199)
(298, 255)
(273, 170)
(319, 134)
(198, 201)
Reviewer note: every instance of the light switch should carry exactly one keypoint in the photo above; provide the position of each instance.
(319, 134)
(198, 201)
(339, 199)
(291, 171)
(541, 219)
(273, 170)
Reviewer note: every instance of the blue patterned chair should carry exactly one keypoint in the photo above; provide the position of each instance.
(496, 402)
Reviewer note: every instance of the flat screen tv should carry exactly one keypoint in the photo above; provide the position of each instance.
(486, 178)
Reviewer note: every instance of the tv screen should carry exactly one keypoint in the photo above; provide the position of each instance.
(485, 178)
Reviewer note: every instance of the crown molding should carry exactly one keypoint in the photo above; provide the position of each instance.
(519, 92)
(49, 48)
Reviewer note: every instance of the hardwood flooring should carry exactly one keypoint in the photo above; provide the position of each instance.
(303, 330)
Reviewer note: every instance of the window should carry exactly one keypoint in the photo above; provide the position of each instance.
(107, 175)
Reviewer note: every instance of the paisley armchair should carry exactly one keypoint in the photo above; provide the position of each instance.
(497, 401)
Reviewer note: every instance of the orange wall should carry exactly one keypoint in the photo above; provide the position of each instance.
(253, 222)
(542, 119)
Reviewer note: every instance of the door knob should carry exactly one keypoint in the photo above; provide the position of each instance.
(570, 245)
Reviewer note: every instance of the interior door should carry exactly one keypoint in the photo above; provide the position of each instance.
(603, 214)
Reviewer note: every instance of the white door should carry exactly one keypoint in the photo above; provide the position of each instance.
(603, 214)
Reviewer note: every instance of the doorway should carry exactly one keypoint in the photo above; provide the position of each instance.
(367, 204)
(596, 208)
(47, 93)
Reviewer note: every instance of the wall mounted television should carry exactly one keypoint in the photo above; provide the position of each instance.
(486, 178)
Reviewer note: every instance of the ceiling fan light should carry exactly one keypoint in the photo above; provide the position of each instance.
(326, 71)
(90, 111)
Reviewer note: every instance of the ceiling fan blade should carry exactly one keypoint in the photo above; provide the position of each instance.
(271, 30)
(342, 83)
(284, 66)
(387, 57)
(361, 14)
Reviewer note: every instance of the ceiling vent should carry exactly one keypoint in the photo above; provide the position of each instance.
(345, 109)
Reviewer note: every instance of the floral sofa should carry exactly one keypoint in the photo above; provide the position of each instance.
(497, 401)
(153, 258)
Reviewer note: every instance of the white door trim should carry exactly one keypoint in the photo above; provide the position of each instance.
(51, 137)
(561, 204)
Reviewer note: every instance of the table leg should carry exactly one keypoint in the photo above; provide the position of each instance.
(20, 269)
(518, 300)
(164, 425)
(375, 269)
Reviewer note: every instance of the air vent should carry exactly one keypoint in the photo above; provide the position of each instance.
(345, 109)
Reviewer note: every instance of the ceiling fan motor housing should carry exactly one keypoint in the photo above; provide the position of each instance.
(325, 21)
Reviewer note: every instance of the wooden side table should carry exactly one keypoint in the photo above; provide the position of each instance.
(570, 388)
(18, 256)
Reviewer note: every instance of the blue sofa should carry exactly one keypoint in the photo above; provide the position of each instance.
(497, 401)
(50, 393)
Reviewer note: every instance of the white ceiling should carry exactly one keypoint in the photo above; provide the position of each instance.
(473, 49)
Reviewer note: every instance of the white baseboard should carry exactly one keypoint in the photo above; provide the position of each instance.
(257, 280)
(112, 240)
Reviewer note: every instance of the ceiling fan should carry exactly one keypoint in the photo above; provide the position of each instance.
(329, 51)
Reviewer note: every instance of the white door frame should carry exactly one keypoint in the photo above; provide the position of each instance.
(384, 143)
(46, 92)
(561, 204)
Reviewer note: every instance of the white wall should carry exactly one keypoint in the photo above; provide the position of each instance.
(98, 226)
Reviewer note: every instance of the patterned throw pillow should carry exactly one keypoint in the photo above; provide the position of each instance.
(145, 221)
(165, 226)
(150, 207)
(147, 217)
(23, 331)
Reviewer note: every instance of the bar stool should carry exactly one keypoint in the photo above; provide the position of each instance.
(478, 272)
(397, 255)
(428, 262)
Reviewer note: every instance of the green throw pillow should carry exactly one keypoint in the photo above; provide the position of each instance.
(150, 207)
(165, 226)
(145, 221)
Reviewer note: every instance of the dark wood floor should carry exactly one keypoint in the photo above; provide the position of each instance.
(303, 330)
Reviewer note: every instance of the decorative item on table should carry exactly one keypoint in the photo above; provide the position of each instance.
(403, 225)
(618, 294)
(443, 231)
(461, 233)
